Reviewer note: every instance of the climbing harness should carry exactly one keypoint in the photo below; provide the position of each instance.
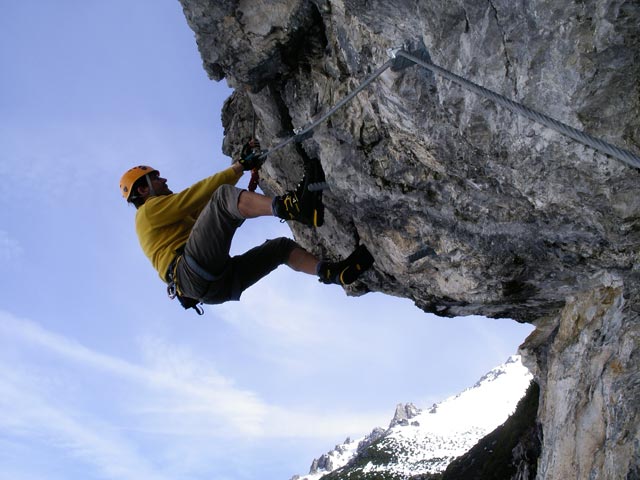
(401, 59)
(173, 291)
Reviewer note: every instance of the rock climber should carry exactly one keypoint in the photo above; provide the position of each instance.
(187, 235)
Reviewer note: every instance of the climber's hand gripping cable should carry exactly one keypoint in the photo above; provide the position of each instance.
(251, 156)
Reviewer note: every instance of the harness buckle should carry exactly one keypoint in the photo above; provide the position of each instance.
(172, 290)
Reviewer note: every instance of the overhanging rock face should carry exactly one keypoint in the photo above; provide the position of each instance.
(468, 208)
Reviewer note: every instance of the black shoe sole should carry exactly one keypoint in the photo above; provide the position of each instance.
(358, 262)
(313, 173)
(348, 270)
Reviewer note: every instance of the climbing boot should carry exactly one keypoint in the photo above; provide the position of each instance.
(302, 204)
(348, 270)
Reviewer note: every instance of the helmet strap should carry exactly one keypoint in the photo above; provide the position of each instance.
(152, 192)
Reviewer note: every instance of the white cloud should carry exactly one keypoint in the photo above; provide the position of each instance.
(302, 327)
(272, 310)
(107, 411)
(28, 411)
(169, 408)
(172, 375)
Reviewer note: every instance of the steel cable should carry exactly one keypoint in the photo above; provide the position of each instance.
(621, 154)
(596, 143)
(302, 132)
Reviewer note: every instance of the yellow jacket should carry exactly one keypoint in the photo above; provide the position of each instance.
(163, 223)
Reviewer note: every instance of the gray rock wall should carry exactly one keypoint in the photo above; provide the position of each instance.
(468, 208)
(586, 361)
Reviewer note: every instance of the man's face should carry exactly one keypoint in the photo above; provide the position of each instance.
(159, 184)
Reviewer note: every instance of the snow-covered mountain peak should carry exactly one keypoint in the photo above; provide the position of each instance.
(422, 442)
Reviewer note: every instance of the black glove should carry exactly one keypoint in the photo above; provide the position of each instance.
(251, 156)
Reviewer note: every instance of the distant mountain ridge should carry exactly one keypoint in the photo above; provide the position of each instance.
(424, 442)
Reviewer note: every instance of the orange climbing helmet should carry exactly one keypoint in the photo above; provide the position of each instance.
(131, 176)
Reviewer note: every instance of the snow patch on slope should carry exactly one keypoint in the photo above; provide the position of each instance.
(427, 441)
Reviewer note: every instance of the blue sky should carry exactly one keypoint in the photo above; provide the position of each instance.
(101, 376)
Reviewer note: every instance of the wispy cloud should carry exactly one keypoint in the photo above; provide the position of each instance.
(27, 411)
(170, 371)
(270, 309)
(107, 411)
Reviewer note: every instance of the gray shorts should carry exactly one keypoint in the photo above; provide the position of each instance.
(209, 244)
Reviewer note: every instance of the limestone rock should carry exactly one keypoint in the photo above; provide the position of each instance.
(321, 464)
(468, 208)
(404, 413)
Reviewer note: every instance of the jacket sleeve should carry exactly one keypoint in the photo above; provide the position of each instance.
(169, 209)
